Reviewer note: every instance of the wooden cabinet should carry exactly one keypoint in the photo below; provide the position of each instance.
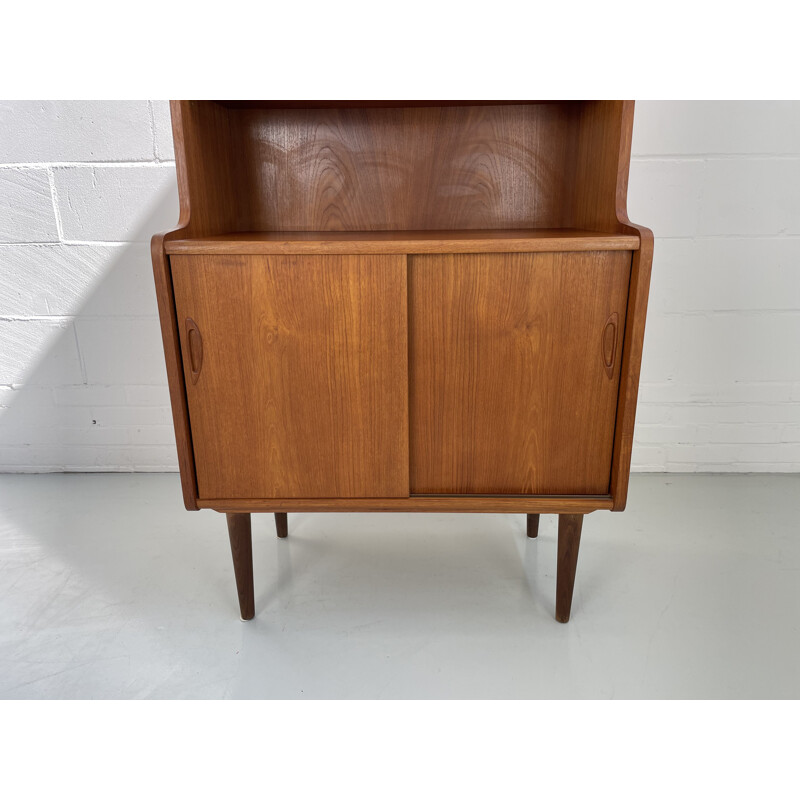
(422, 306)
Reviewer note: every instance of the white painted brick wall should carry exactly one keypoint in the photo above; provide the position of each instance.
(719, 183)
(83, 186)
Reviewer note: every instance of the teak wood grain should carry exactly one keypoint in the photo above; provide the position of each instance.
(302, 390)
(508, 504)
(405, 242)
(511, 390)
(406, 168)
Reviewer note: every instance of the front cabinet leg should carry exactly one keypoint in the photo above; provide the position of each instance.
(241, 536)
(282, 524)
(533, 526)
(569, 540)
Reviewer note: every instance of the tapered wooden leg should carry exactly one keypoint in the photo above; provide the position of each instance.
(241, 536)
(569, 540)
(533, 526)
(282, 525)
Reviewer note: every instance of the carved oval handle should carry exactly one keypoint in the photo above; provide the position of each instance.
(195, 343)
(609, 343)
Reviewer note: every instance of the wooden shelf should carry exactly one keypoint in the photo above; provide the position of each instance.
(411, 242)
(315, 104)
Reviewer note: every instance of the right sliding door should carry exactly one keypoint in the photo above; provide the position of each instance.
(514, 365)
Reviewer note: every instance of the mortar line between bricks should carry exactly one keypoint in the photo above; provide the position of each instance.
(72, 243)
(81, 360)
(54, 199)
(20, 165)
(726, 312)
(712, 404)
(153, 130)
(716, 157)
(703, 236)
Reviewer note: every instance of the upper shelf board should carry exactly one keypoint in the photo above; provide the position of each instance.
(251, 104)
(411, 242)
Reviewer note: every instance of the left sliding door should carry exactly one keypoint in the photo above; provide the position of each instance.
(296, 371)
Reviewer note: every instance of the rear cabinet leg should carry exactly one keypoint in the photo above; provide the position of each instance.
(282, 525)
(533, 526)
(569, 540)
(240, 533)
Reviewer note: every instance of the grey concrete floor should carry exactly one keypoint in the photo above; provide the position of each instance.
(109, 589)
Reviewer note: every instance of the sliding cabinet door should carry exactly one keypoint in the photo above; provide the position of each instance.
(296, 374)
(514, 371)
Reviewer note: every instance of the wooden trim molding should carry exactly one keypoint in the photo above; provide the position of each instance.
(404, 242)
(583, 504)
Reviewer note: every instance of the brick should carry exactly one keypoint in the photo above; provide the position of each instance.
(75, 130)
(90, 395)
(152, 435)
(718, 274)
(26, 206)
(132, 416)
(789, 434)
(728, 127)
(93, 435)
(121, 351)
(116, 204)
(737, 392)
(663, 434)
(38, 352)
(97, 280)
(738, 434)
(148, 395)
(162, 123)
(22, 416)
(647, 458)
(721, 348)
(718, 454)
(653, 413)
(665, 195)
(700, 413)
(27, 396)
(82, 458)
(751, 196)
(145, 458)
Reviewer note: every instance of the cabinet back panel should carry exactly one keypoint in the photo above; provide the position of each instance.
(366, 169)
(296, 374)
(514, 371)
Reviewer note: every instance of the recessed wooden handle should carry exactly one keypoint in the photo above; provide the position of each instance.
(195, 344)
(609, 343)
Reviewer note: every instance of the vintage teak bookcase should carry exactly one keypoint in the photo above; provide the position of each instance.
(403, 306)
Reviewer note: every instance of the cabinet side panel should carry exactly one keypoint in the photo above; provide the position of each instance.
(172, 355)
(631, 369)
(298, 369)
(514, 371)
(602, 160)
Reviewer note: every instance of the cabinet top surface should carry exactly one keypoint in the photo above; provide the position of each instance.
(358, 242)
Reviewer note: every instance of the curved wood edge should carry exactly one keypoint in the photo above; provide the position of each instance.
(175, 377)
(455, 504)
(633, 341)
(632, 345)
(169, 321)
